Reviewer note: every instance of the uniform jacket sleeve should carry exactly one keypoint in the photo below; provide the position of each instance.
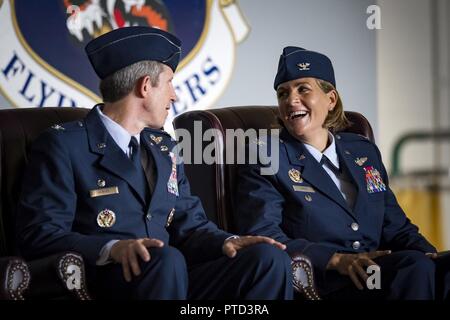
(198, 238)
(398, 231)
(48, 202)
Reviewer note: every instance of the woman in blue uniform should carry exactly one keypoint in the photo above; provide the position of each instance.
(330, 198)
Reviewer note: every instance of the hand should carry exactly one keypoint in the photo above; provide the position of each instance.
(231, 246)
(352, 265)
(125, 252)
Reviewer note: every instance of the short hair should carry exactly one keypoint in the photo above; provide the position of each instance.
(119, 84)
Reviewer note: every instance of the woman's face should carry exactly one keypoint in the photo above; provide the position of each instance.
(304, 107)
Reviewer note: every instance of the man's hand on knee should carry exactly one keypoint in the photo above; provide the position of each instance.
(232, 245)
(126, 252)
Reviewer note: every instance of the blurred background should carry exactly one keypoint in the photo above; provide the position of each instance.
(391, 59)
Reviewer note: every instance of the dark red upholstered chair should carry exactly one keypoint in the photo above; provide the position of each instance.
(215, 183)
(48, 276)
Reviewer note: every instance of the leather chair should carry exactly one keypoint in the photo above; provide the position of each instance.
(214, 183)
(49, 277)
(14, 278)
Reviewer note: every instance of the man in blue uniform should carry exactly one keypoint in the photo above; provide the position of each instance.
(330, 198)
(111, 188)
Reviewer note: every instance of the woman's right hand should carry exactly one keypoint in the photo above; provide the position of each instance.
(353, 265)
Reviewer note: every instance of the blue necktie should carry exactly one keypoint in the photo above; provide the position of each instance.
(330, 165)
(135, 153)
(146, 170)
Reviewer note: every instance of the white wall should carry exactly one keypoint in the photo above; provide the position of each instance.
(4, 103)
(405, 78)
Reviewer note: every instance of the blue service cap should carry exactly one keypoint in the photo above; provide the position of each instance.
(122, 47)
(298, 63)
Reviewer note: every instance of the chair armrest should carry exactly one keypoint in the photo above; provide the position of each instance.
(302, 271)
(60, 275)
(14, 278)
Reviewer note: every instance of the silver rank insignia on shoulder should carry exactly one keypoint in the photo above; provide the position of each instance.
(58, 127)
(155, 139)
(304, 66)
(360, 161)
(170, 217)
(164, 148)
(294, 174)
(106, 218)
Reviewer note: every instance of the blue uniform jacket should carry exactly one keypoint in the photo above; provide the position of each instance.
(311, 216)
(57, 211)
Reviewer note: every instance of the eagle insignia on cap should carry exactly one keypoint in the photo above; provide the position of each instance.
(304, 66)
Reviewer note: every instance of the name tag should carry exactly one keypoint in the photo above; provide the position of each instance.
(303, 189)
(103, 192)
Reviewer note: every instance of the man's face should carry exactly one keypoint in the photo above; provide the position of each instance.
(303, 107)
(160, 98)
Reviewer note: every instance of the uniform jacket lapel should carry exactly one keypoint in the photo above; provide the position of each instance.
(312, 171)
(112, 158)
(355, 172)
(163, 169)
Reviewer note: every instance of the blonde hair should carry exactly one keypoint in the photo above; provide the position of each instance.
(336, 119)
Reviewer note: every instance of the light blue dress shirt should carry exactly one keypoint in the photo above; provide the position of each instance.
(119, 134)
